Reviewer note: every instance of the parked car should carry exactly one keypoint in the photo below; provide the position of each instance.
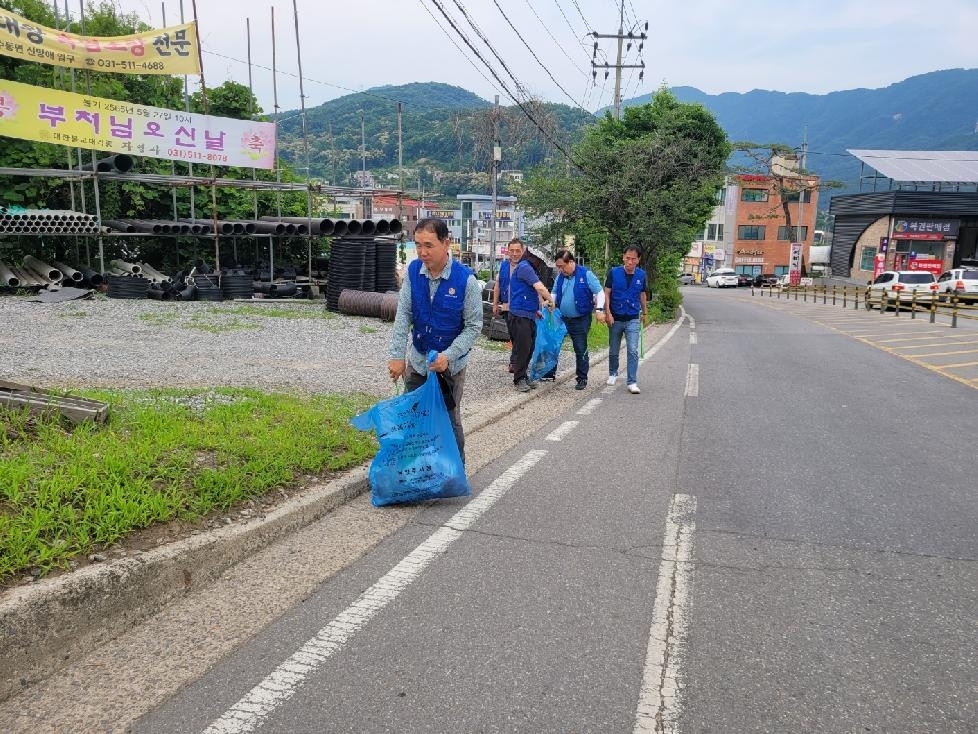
(743, 279)
(687, 279)
(765, 281)
(960, 282)
(903, 286)
(722, 278)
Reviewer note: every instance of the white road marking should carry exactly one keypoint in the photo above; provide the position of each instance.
(692, 337)
(562, 430)
(589, 407)
(692, 381)
(251, 711)
(660, 701)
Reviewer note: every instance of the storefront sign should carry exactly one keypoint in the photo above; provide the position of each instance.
(794, 263)
(173, 50)
(77, 120)
(442, 214)
(925, 229)
(750, 252)
(931, 265)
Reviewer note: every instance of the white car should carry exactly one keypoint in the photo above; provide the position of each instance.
(960, 282)
(722, 278)
(905, 286)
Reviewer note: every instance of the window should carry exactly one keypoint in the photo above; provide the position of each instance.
(750, 232)
(783, 233)
(793, 196)
(753, 195)
(714, 232)
(722, 196)
(868, 258)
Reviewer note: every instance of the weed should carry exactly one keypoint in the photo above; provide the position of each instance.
(163, 455)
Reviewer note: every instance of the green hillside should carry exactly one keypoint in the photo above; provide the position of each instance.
(444, 129)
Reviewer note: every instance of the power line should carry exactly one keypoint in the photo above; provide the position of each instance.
(559, 45)
(537, 58)
(513, 97)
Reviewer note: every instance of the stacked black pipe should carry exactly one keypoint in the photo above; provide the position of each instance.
(365, 264)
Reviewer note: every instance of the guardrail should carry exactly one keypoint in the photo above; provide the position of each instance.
(945, 304)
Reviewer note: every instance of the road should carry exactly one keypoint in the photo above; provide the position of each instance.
(777, 535)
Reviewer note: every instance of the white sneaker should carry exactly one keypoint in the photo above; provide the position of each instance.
(612, 379)
(633, 389)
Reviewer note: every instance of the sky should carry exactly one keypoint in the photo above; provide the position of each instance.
(543, 49)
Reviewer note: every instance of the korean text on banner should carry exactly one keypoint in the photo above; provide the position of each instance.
(78, 120)
(173, 50)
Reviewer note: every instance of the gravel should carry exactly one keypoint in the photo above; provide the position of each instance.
(143, 343)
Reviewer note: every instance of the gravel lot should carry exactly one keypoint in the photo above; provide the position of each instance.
(143, 343)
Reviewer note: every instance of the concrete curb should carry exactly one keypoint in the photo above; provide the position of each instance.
(44, 626)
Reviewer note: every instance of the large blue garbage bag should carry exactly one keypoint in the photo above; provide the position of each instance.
(551, 331)
(418, 458)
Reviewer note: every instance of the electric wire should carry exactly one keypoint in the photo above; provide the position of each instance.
(519, 103)
(559, 45)
(536, 58)
(580, 12)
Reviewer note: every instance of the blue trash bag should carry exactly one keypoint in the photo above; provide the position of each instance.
(418, 458)
(551, 331)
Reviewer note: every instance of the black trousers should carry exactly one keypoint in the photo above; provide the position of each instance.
(523, 332)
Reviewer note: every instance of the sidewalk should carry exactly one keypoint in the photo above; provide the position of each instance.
(48, 624)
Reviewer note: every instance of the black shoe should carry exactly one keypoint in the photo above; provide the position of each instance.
(581, 384)
(523, 385)
(534, 384)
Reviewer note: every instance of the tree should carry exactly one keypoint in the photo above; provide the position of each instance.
(780, 166)
(649, 179)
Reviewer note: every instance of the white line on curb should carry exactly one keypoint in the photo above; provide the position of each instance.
(659, 702)
(251, 711)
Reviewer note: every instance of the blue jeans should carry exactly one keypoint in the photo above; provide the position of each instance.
(577, 329)
(630, 329)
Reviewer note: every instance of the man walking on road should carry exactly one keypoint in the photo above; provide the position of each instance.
(526, 293)
(624, 289)
(578, 294)
(440, 309)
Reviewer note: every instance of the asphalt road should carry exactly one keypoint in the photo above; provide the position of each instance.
(777, 535)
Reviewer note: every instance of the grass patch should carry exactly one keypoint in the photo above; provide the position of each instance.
(163, 455)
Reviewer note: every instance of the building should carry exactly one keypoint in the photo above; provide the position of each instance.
(927, 219)
(762, 241)
(471, 226)
(748, 230)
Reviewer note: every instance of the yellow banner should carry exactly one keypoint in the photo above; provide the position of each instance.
(80, 121)
(172, 50)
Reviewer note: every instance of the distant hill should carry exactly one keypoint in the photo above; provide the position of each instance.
(934, 111)
(444, 128)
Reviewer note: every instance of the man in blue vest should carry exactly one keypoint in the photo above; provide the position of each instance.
(440, 309)
(624, 290)
(525, 293)
(578, 294)
(500, 292)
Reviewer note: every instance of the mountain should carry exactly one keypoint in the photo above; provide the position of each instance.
(443, 129)
(448, 129)
(933, 111)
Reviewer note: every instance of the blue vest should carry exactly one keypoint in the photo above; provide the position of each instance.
(522, 297)
(583, 297)
(626, 301)
(504, 281)
(436, 322)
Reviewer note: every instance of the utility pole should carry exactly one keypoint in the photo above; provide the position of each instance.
(400, 165)
(496, 157)
(621, 36)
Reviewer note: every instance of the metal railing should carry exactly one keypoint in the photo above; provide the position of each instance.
(949, 304)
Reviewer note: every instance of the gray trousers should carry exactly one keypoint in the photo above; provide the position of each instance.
(412, 381)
